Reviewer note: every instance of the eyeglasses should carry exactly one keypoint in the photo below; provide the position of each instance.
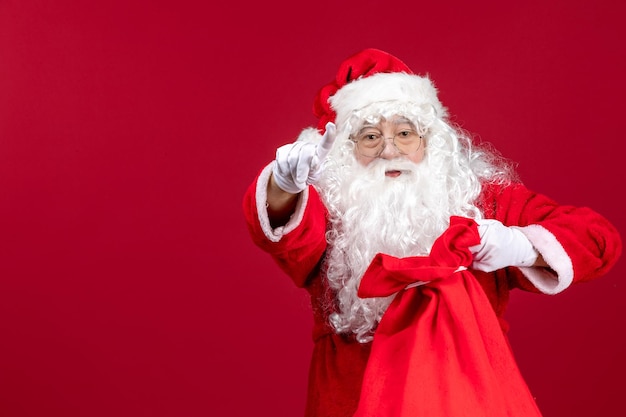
(372, 142)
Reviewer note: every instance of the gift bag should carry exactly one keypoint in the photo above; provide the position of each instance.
(439, 350)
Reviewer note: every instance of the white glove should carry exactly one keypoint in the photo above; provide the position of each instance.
(299, 164)
(501, 246)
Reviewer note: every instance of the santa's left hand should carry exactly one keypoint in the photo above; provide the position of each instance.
(501, 246)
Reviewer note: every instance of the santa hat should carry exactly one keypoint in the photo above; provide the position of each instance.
(375, 78)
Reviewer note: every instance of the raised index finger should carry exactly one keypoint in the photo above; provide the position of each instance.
(327, 141)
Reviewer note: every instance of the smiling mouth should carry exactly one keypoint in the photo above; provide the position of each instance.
(393, 173)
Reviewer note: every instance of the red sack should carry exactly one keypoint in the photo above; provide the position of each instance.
(439, 350)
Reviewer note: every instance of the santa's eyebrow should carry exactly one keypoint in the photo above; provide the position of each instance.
(368, 126)
(402, 120)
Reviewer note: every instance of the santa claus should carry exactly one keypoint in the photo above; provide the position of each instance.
(388, 188)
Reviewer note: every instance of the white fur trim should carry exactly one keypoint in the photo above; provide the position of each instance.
(274, 235)
(555, 256)
(310, 135)
(385, 87)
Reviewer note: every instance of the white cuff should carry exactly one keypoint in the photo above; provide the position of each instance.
(274, 235)
(554, 255)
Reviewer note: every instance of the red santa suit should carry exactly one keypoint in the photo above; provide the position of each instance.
(339, 361)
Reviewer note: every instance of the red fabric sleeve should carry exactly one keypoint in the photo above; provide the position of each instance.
(299, 251)
(590, 241)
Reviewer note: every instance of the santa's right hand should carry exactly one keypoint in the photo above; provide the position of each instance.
(299, 164)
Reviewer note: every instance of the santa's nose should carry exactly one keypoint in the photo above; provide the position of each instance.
(389, 149)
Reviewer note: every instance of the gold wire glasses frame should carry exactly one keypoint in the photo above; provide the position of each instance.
(373, 143)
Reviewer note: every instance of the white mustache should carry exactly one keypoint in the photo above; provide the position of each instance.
(380, 166)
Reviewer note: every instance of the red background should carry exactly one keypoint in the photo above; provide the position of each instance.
(129, 131)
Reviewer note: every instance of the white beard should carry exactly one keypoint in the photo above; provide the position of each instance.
(371, 213)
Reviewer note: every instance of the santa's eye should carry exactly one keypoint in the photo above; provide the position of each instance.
(370, 136)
